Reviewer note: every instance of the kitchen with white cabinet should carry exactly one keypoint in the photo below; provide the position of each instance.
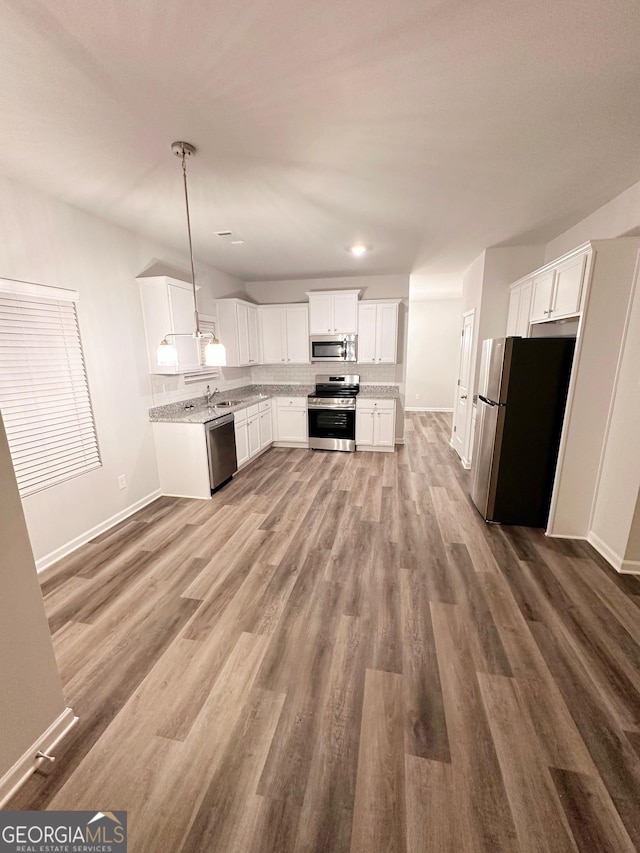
(240, 658)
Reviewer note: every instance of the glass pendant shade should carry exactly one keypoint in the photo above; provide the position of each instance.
(215, 355)
(167, 354)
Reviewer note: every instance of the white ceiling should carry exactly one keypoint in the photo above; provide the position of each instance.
(428, 129)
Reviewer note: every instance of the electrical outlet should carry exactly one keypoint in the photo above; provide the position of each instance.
(417, 396)
(122, 482)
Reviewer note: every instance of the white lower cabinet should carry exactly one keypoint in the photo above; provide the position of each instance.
(253, 430)
(375, 424)
(253, 424)
(242, 437)
(266, 424)
(291, 420)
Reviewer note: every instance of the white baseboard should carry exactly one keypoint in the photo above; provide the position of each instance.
(622, 566)
(399, 441)
(564, 536)
(625, 567)
(53, 556)
(370, 449)
(27, 763)
(426, 409)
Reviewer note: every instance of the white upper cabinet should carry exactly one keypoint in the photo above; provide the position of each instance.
(377, 332)
(558, 291)
(520, 309)
(254, 338)
(514, 308)
(367, 316)
(271, 322)
(284, 332)
(542, 296)
(167, 307)
(297, 329)
(524, 310)
(333, 311)
(320, 313)
(568, 290)
(345, 313)
(238, 331)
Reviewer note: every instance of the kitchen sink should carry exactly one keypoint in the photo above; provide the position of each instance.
(225, 404)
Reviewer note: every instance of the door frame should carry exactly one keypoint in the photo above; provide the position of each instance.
(465, 458)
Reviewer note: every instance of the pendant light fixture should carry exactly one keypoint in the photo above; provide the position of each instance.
(214, 352)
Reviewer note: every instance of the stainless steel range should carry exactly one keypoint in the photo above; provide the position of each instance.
(332, 412)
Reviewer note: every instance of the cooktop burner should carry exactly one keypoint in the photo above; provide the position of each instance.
(341, 385)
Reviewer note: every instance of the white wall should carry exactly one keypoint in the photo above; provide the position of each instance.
(294, 290)
(485, 288)
(48, 242)
(615, 525)
(31, 698)
(619, 481)
(433, 352)
(617, 218)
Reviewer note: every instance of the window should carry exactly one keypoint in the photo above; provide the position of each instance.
(207, 324)
(44, 393)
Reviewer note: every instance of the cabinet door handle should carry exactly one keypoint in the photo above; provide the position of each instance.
(547, 312)
(463, 396)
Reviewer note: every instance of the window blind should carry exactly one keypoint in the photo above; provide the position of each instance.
(44, 393)
(207, 324)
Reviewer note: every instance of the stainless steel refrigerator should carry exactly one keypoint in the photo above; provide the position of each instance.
(522, 393)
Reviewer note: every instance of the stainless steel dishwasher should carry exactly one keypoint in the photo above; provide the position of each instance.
(221, 450)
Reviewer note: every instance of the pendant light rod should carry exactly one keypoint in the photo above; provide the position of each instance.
(184, 150)
(214, 351)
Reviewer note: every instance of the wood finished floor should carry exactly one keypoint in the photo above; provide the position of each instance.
(335, 654)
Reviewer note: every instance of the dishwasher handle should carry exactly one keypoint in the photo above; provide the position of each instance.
(218, 422)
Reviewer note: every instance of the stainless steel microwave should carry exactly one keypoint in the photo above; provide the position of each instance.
(334, 347)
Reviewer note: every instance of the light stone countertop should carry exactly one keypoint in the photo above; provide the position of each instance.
(195, 411)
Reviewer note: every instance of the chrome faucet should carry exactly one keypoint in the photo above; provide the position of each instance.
(209, 395)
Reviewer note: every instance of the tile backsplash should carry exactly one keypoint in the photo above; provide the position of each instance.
(306, 373)
(172, 389)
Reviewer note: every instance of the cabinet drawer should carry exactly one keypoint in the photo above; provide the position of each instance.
(378, 403)
(252, 410)
(240, 416)
(265, 405)
(286, 402)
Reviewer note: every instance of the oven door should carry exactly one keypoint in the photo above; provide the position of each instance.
(332, 429)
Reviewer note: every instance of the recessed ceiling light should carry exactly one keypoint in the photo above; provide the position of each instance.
(237, 242)
(358, 250)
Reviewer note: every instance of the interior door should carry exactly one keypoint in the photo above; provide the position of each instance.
(461, 419)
